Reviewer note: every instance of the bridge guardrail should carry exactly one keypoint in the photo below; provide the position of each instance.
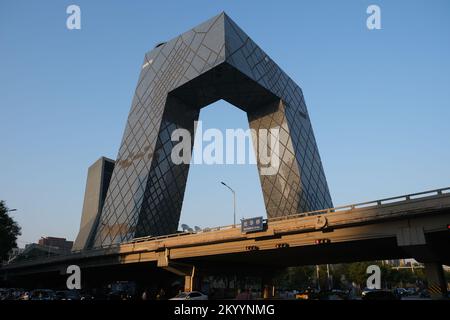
(368, 204)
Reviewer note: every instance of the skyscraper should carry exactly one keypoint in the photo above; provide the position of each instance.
(215, 60)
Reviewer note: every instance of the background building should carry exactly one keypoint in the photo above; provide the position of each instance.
(97, 183)
(59, 243)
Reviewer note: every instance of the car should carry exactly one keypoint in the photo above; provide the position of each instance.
(67, 295)
(119, 295)
(86, 296)
(42, 294)
(4, 294)
(308, 294)
(193, 295)
(424, 294)
(334, 294)
(378, 294)
(16, 293)
(411, 291)
(24, 296)
(400, 292)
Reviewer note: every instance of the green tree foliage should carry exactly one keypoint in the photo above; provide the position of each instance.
(352, 273)
(9, 231)
(389, 277)
(343, 275)
(295, 277)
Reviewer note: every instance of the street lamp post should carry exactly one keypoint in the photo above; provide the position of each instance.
(329, 283)
(234, 201)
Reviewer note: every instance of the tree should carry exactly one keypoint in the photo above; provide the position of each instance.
(295, 277)
(9, 231)
(357, 272)
(390, 277)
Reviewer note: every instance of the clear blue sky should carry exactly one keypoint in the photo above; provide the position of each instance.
(379, 100)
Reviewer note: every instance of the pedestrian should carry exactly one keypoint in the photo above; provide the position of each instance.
(144, 295)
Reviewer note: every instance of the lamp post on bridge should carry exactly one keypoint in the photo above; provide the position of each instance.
(234, 202)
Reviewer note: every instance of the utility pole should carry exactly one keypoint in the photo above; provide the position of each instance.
(328, 277)
(318, 276)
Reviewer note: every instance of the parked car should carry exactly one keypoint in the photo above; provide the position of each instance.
(378, 294)
(194, 295)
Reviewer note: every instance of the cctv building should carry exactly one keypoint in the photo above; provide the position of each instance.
(141, 193)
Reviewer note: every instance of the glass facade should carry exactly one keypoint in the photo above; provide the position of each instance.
(213, 61)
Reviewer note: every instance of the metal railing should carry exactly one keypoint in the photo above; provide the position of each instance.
(369, 204)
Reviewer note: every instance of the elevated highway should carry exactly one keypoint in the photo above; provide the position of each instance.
(409, 226)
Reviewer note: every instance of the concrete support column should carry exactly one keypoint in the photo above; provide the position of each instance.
(180, 269)
(267, 286)
(188, 281)
(437, 286)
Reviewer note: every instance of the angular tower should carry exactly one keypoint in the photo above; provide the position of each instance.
(215, 60)
(97, 184)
